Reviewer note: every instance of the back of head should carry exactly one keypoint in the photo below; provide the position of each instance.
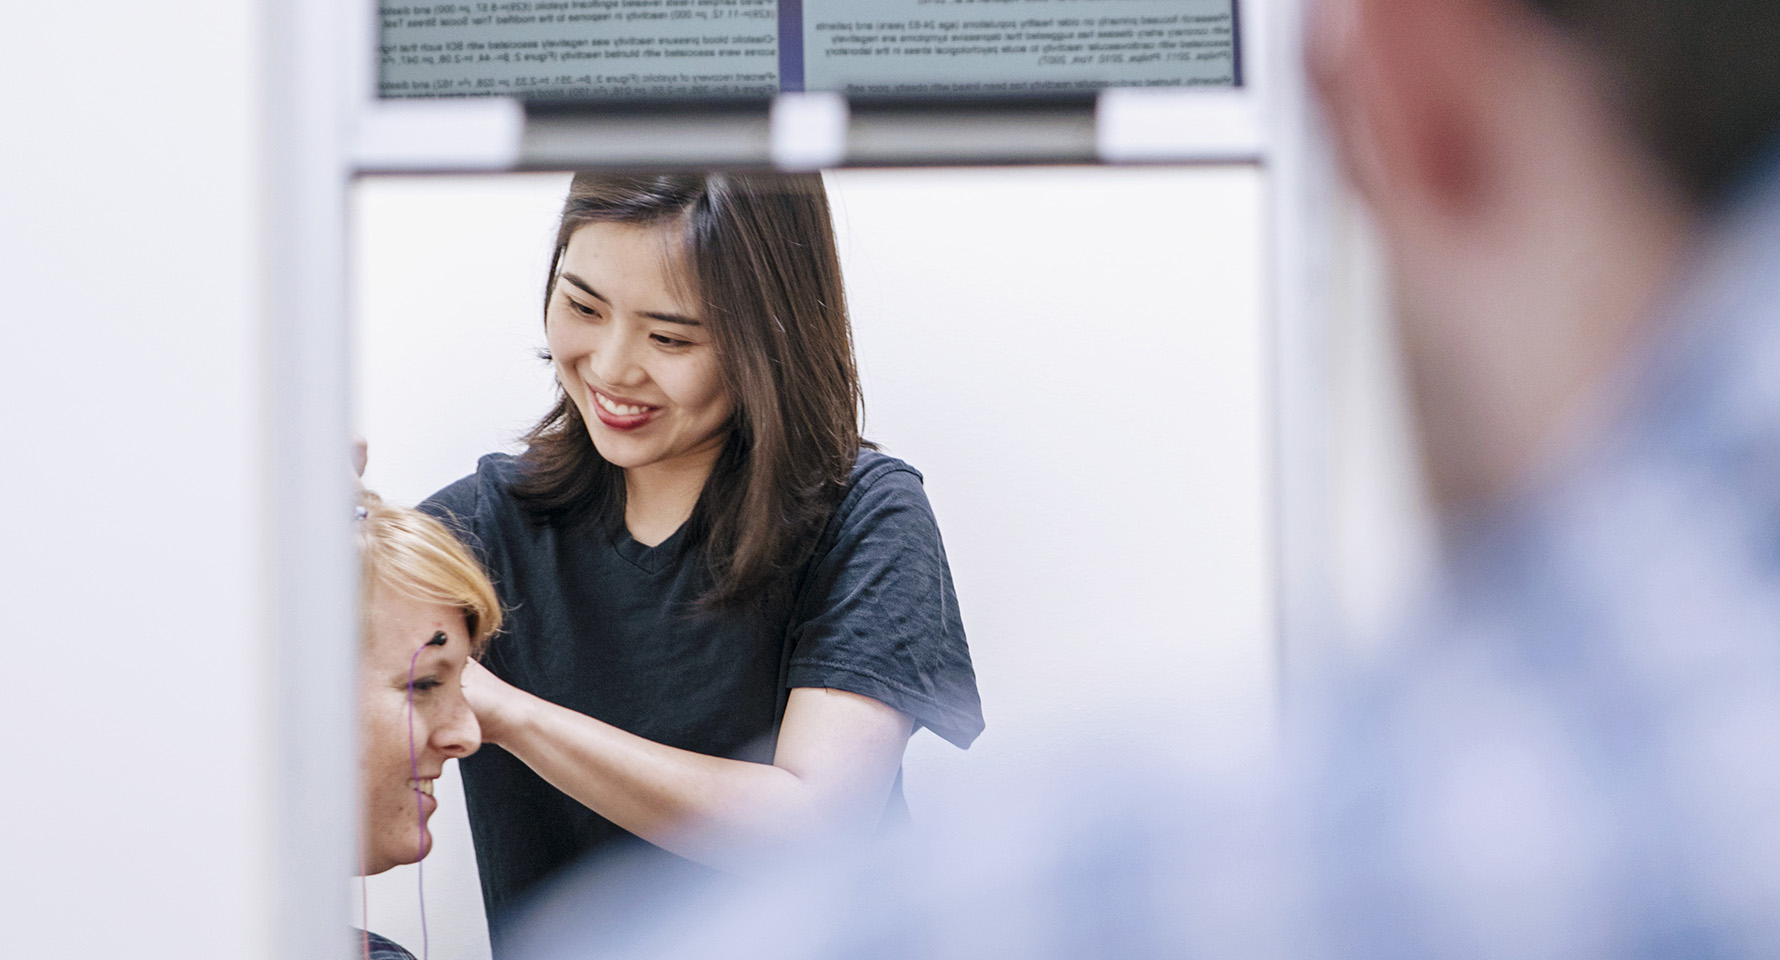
(1698, 80)
(413, 554)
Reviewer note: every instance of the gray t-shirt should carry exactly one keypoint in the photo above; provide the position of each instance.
(605, 626)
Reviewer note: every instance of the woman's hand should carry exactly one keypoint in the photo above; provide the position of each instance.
(499, 705)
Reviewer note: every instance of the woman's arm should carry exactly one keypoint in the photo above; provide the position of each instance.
(833, 766)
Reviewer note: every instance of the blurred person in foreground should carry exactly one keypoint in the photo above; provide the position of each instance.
(1574, 749)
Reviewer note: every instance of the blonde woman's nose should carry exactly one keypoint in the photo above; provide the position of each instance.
(458, 735)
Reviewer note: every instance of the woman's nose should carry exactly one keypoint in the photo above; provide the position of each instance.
(615, 360)
(458, 734)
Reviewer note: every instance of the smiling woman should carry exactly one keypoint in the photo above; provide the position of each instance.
(638, 366)
(729, 612)
(731, 290)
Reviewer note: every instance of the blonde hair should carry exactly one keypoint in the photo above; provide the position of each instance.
(407, 551)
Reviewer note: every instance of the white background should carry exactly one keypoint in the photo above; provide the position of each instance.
(1074, 358)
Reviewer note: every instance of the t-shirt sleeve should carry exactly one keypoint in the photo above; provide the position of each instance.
(878, 615)
(459, 507)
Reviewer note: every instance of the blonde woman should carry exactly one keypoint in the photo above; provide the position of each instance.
(427, 609)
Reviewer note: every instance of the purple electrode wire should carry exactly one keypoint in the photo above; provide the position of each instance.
(419, 809)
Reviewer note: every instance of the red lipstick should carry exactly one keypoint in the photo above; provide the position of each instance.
(617, 420)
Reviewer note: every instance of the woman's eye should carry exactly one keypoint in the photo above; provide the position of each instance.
(581, 308)
(668, 341)
(426, 685)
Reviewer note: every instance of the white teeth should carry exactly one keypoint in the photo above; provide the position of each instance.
(424, 786)
(621, 409)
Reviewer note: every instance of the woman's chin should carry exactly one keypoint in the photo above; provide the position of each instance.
(372, 867)
(618, 451)
(417, 852)
(399, 854)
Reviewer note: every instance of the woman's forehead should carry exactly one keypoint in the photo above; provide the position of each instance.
(400, 621)
(631, 259)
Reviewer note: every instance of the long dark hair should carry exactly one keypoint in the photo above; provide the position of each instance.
(761, 253)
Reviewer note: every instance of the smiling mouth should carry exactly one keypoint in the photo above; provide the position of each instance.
(618, 415)
(617, 409)
(424, 786)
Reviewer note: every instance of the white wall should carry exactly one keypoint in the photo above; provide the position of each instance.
(134, 803)
(1074, 358)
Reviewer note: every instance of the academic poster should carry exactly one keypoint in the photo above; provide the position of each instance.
(725, 49)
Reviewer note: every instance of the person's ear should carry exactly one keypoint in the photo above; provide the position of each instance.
(1405, 85)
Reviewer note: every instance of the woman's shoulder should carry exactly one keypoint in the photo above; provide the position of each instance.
(875, 466)
(481, 497)
(881, 488)
(498, 470)
(494, 478)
